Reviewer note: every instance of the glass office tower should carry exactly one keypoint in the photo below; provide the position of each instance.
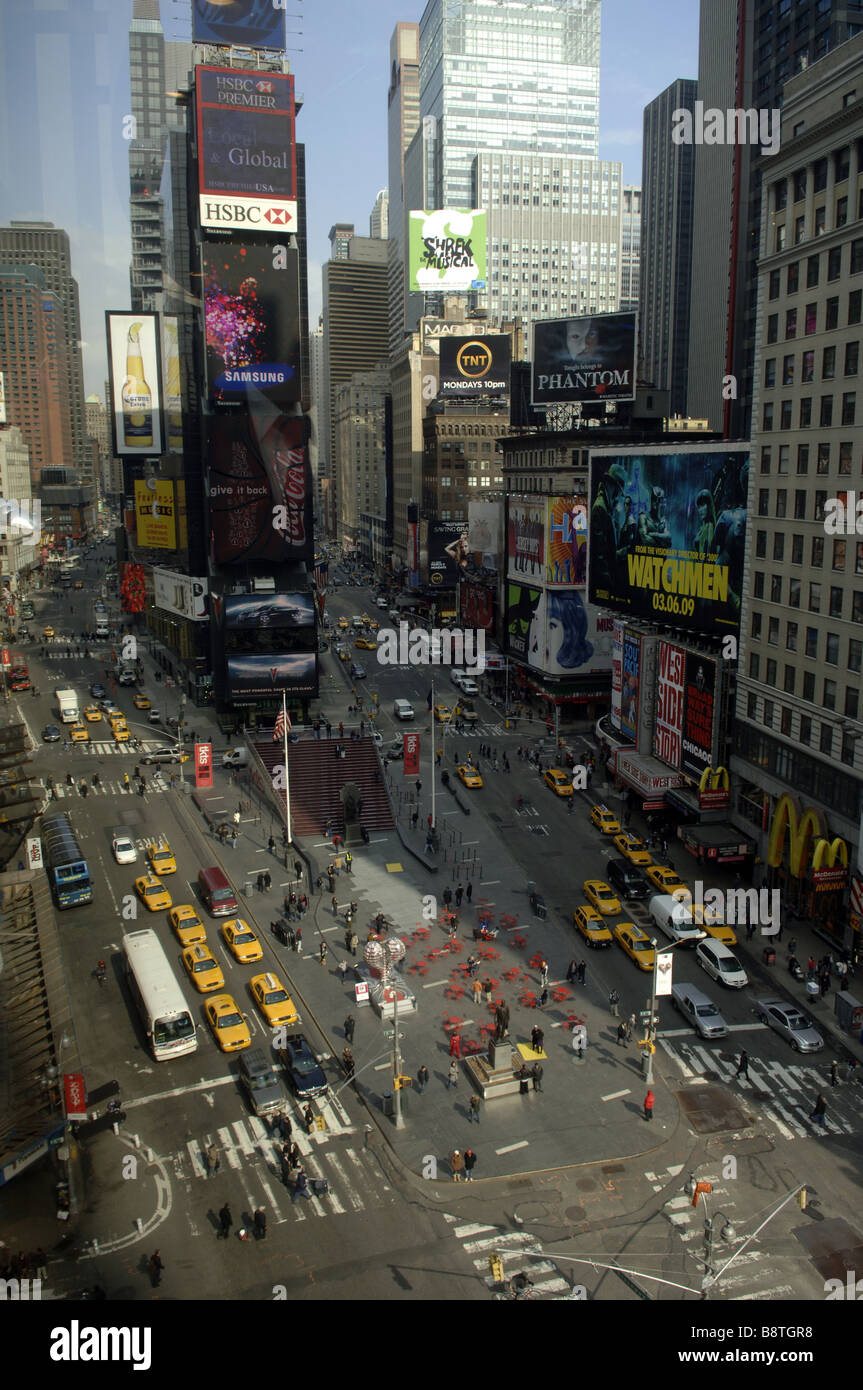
(510, 76)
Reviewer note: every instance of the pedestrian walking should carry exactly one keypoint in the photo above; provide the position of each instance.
(452, 1074)
(155, 1266)
(309, 1119)
(791, 948)
(648, 1105)
(422, 1079)
(834, 1072)
(819, 1111)
(459, 894)
(622, 1034)
(630, 1027)
(476, 989)
(456, 1163)
(469, 1164)
(349, 859)
(271, 844)
(473, 1111)
(487, 987)
(301, 1188)
(543, 973)
(349, 1026)
(226, 1221)
(447, 898)
(298, 941)
(40, 1263)
(322, 954)
(285, 1126)
(743, 1064)
(214, 1162)
(543, 998)
(572, 972)
(469, 892)
(260, 1222)
(536, 1038)
(355, 941)
(455, 1046)
(582, 972)
(537, 1076)
(614, 1003)
(342, 968)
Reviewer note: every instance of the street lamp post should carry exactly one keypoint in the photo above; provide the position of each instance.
(650, 1041)
(181, 711)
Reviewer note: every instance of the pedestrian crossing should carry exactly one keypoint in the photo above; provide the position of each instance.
(106, 748)
(250, 1152)
(784, 1092)
(156, 782)
(514, 1248)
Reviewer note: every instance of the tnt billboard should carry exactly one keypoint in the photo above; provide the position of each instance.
(475, 366)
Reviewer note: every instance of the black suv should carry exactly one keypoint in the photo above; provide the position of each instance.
(627, 879)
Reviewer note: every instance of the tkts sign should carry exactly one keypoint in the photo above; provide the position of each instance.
(411, 750)
(203, 764)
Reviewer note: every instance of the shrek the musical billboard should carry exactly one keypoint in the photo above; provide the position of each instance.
(667, 535)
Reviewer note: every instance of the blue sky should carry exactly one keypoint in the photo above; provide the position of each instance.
(64, 90)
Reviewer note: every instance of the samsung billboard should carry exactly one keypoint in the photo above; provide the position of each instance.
(252, 324)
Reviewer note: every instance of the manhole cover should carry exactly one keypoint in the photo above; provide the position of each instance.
(586, 1185)
(575, 1214)
(710, 1108)
(833, 1246)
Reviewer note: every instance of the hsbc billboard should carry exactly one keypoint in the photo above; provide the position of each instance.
(247, 163)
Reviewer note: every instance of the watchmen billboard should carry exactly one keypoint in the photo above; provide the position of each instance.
(475, 366)
(667, 535)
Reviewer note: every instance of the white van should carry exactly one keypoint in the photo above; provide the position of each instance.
(236, 757)
(403, 709)
(674, 919)
(358, 624)
(721, 964)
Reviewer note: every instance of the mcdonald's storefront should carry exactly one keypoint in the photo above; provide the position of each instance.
(810, 867)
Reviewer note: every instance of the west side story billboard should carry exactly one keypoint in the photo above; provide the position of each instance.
(247, 157)
(584, 359)
(250, 23)
(686, 727)
(259, 485)
(667, 536)
(252, 321)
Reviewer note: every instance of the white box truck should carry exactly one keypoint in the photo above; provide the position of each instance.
(67, 704)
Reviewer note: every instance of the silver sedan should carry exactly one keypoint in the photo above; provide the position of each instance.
(790, 1024)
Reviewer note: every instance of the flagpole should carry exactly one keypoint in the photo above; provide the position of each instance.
(287, 773)
(433, 819)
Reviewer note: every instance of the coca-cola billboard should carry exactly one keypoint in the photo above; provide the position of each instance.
(259, 486)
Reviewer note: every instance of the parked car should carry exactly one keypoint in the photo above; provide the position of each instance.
(790, 1023)
(357, 671)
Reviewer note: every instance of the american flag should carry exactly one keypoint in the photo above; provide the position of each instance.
(283, 721)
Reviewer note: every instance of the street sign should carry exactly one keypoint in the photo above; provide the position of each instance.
(390, 1033)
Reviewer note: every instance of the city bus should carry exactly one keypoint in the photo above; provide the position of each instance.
(67, 869)
(168, 1023)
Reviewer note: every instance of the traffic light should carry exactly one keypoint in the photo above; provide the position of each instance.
(802, 1198)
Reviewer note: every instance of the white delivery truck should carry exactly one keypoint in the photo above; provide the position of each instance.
(236, 757)
(67, 704)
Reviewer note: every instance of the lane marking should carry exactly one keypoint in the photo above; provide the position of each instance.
(616, 1095)
(510, 1148)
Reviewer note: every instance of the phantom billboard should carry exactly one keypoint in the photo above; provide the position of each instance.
(584, 359)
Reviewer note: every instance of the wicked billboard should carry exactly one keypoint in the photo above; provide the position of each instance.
(667, 536)
(555, 631)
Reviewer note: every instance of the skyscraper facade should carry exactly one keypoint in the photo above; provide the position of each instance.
(510, 76)
(45, 246)
(666, 244)
(747, 52)
(32, 360)
(630, 247)
(403, 118)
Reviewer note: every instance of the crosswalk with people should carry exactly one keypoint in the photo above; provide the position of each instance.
(784, 1092)
(513, 1249)
(156, 782)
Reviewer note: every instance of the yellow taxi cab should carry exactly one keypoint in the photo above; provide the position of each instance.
(161, 858)
(187, 924)
(469, 775)
(152, 892)
(47, 633)
(558, 780)
(141, 701)
(443, 714)
(373, 624)
(602, 896)
(589, 922)
(367, 644)
(636, 944)
(633, 849)
(92, 713)
(78, 733)
(710, 918)
(664, 880)
(203, 969)
(343, 624)
(344, 654)
(241, 940)
(718, 930)
(227, 1023)
(120, 730)
(605, 820)
(273, 1000)
(79, 584)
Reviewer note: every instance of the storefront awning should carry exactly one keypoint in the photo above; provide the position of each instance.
(719, 844)
(560, 692)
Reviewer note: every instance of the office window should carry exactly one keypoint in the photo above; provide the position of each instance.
(828, 364)
(791, 637)
(820, 224)
(855, 307)
(820, 500)
(773, 632)
(836, 592)
(828, 702)
(816, 559)
(758, 586)
(823, 462)
(831, 314)
(825, 418)
(812, 643)
(799, 183)
(805, 729)
(751, 706)
(831, 655)
(807, 365)
(754, 663)
(770, 372)
(773, 328)
(785, 424)
(839, 555)
(857, 255)
(780, 194)
(781, 503)
(794, 593)
(809, 686)
(763, 502)
(852, 358)
(811, 319)
(849, 407)
(770, 672)
(791, 323)
(857, 606)
(756, 627)
(792, 277)
(767, 416)
(812, 263)
(776, 588)
(767, 720)
(760, 544)
(765, 458)
(788, 369)
(834, 256)
(797, 550)
(855, 654)
(858, 558)
(799, 504)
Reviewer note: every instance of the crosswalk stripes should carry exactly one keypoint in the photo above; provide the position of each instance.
(155, 783)
(479, 1242)
(784, 1092)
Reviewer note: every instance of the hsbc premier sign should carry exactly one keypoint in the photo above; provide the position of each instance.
(247, 165)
